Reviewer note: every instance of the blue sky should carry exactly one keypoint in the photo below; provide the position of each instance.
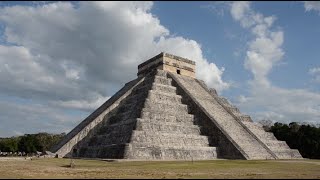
(62, 60)
(220, 36)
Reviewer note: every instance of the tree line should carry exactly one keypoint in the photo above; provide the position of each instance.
(304, 137)
(30, 143)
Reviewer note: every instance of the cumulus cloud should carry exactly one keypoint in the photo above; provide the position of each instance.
(265, 100)
(315, 72)
(17, 119)
(265, 50)
(312, 5)
(77, 55)
(216, 7)
(282, 105)
(81, 104)
(94, 44)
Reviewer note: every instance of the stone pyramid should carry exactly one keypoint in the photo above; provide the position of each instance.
(168, 114)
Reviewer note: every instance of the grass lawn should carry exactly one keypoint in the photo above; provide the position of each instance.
(59, 168)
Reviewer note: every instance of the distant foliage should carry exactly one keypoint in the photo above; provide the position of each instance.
(30, 143)
(305, 138)
(9, 144)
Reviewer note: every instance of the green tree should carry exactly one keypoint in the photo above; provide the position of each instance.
(9, 144)
(28, 143)
(305, 138)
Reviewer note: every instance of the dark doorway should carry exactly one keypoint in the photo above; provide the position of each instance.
(178, 71)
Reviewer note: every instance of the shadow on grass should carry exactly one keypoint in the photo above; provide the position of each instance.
(66, 166)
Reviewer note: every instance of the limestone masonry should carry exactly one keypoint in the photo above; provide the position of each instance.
(168, 114)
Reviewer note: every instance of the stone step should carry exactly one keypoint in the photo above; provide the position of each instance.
(262, 135)
(123, 116)
(171, 152)
(245, 118)
(143, 88)
(188, 122)
(145, 151)
(120, 127)
(236, 112)
(130, 106)
(158, 80)
(165, 111)
(164, 125)
(251, 148)
(260, 132)
(115, 151)
(223, 100)
(277, 145)
(124, 122)
(114, 137)
(253, 125)
(232, 108)
(165, 107)
(158, 116)
(169, 89)
(125, 133)
(159, 72)
(136, 97)
(168, 139)
(164, 88)
(288, 154)
(155, 95)
(161, 96)
(143, 125)
(154, 114)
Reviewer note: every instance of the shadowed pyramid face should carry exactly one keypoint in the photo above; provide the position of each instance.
(170, 63)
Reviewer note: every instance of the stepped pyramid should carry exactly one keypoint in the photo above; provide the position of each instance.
(168, 114)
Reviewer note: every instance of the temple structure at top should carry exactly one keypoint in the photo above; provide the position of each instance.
(170, 63)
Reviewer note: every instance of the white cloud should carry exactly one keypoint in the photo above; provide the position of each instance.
(265, 50)
(312, 5)
(265, 100)
(315, 72)
(239, 10)
(17, 119)
(102, 41)
(82, 104)
(284, 105)
(242, 99)
(78, 56)
(217, 7)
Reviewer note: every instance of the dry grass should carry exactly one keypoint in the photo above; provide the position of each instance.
(60, 168)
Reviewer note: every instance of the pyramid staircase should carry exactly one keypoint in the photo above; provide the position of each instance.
(279, 148)
(150, 123)
(247, 136)
(168, 114)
